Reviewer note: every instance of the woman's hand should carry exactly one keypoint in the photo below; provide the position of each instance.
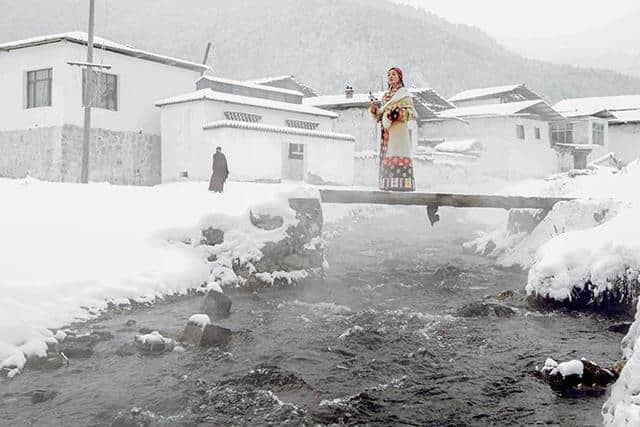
(373, 107)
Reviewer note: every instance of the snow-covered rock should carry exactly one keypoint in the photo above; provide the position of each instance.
(154, 342)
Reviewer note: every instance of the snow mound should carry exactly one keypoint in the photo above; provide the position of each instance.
(68, 250)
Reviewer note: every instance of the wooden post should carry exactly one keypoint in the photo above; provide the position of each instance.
(84, 174)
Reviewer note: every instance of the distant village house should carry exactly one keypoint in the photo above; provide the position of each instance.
(266, 131)
(41, 109)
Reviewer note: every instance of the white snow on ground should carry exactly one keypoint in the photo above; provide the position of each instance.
(460, 146)
(66, 250)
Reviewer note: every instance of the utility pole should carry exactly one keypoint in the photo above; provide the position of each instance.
(84, 175)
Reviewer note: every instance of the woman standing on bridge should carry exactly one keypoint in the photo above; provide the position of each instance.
(396, 167)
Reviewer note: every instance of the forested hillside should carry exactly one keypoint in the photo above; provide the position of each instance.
(325, 43)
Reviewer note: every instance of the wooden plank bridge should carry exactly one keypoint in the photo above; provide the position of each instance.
(434, 200)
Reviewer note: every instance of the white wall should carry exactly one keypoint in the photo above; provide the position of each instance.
(254, 155)
(13, 74)
(332, 160)
(186, 147)
(357, 121)
(624, 141)
(505, 156)
(251, 155)
(140, 84)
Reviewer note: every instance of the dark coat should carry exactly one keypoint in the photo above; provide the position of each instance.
(220, 172)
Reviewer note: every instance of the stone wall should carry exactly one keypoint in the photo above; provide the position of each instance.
(115, 157)
(55, 154)
(34, 152)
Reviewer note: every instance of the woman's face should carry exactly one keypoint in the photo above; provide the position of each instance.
(394, 78)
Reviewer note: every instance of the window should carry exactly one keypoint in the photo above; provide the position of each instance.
(598, 133)
(242, 117)
(301, 124)
(296, 151)
(104, 93)
(536, 132)
(520, 131)
(39, 88)
(561, 133)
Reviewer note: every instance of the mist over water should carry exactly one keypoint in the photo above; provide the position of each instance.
(379, 341)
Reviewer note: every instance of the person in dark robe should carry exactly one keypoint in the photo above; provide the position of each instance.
(220, 171)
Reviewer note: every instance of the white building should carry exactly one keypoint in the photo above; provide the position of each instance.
(41, 109)
(612, 122)
(516, 136)
(266, 133)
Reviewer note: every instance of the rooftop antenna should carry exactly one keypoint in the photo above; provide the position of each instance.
(206, 56)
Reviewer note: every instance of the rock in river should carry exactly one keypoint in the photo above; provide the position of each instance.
(484, 309)
(154, 343)
(205, 335)
(576, 378)
(216, 304)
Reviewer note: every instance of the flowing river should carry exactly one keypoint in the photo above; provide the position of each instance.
(378, 342)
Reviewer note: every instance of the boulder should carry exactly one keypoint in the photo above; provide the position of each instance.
(209, 336)
(621, 328)
(485, 309)
(506, 294)
(154, 343)
(216, 304)
(38, 396)
(212, 236)
(576, 378)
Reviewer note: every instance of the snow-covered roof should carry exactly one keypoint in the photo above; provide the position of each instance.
(626, 116)
(490, 92)
(277, 129)
(80, 37)
(250, 85)
(533, 107)
(576, 107)
(431, 99)
(211, 95)
(426, 101)
(274, 80)
(341, 101)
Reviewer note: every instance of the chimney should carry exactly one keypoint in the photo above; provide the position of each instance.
(348, 92)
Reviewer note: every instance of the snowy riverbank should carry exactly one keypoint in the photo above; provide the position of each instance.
(68, 250)
(588, 247)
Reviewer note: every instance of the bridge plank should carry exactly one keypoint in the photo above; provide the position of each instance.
(440, 199)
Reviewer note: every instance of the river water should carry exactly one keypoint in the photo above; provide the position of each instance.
(377, 342)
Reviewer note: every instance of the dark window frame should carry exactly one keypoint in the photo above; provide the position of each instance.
(296, 151)
(33, 79)
(536, 132)
(561, 133)
(106, 82)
